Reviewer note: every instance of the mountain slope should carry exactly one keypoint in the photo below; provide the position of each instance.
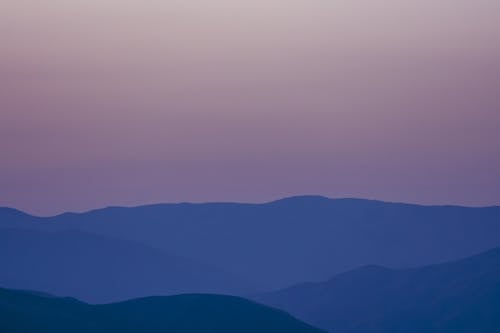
(456, 297)
(281, 243)
(101, 269)
(29, 313)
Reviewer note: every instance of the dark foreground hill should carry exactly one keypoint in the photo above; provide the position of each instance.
(101, 269)
(31, 313)
(281, 243)
(456, 297)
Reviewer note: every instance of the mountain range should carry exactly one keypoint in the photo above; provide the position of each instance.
(266, 246)
(367, 250)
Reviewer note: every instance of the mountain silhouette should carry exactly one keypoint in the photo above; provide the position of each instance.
(281, 243)
(456, 297)
(31, 313)
(101, 269)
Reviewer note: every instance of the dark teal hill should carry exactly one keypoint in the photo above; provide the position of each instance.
(25, 312)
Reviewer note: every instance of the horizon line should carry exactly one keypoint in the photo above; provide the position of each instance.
(267, 202)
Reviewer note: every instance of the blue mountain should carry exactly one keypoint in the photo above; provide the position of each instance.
(281, 243)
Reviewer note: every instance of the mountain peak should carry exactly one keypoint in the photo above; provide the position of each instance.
(302, 199)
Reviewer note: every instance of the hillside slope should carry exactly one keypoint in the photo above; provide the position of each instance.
(29, 313)
(455, 297)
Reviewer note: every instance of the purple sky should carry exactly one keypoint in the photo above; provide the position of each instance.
(130, 102)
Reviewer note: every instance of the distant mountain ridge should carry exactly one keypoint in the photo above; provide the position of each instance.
(31, 313)
(4, 210)
(455, 297)
(288, 241)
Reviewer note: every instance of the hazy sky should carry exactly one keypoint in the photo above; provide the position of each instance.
(125, 102)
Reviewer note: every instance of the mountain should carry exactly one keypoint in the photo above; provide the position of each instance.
(281, 243)
(30, 313)
(101, 269)
(455, 297)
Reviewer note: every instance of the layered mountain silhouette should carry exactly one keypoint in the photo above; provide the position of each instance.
(27, 312)
(101, 269)
(281, 243)
(456, 297)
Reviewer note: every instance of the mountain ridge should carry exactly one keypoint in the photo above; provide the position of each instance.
(459, 296)
(284, 199)
(305, 238)
(285, 242)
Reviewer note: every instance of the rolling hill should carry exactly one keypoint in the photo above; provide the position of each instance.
(31, 313)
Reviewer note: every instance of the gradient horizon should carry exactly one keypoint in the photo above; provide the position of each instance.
(134, 102)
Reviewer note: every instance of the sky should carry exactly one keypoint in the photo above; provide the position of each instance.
(132, 102)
